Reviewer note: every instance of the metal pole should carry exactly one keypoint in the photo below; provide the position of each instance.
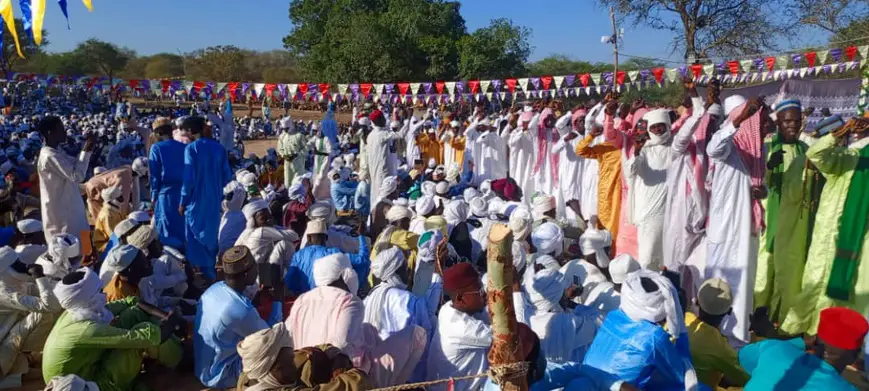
(615, 47)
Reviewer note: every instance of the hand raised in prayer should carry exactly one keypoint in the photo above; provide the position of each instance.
(751, 107)
(611, 107)
(638, 104)
(570, 136)
(639, 141)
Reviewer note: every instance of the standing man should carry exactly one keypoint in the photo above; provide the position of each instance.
(59, 178)
(167, 155)
(291, 148)
(206, 172)
(381, 153)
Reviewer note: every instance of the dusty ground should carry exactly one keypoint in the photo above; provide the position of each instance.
(259, 147)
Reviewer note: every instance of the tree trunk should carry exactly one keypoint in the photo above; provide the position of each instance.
(506, 345)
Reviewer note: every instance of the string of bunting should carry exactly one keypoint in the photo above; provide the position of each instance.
(798, 65)
(32, 17)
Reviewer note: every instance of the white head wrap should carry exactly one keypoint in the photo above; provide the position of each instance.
(386, 265)
(8, 256)
(140, 166)
(469, 194)
(428, 188)
(425, 205)
(332, 267)
(456, 212)
(322, 210)
(70, 383)
(260, 350)
(479, 207)
(140, 217)
(397, 213)
(29, 226)
(453, 172)
(621, 266)
(520, 223)
(388, 186)
(238, 196)
(442, 188)
(248, 179)
(125, 227)
(546, 290)
(111, 193)
(297, 192)
(658, 117)
(543, 203)
(548, 238)
(593, 241)
(250, 210)
(62, 247)
(732, 102)
(84, 300)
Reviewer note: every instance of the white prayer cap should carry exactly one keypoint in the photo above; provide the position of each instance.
(71, 383)
(621, 266)
(338, 162)
(479, 207)
(286, 123)
(428, 188)
(315, 227)
(398, 213)
(548, 238)
(394, 124)
(496, 205)
(125, 227)
(453, 172)
(251, 208)
(486, 187)
(520, 223)
(455, 123)
(424, 205)
(248, 179)
(386, 265)
(140, 166)
(8, 256)
(140, 216)
(29, 226)
(732, 102)
(546, 289)
(543, 203)
(388, 186)
(715, 109)
(442, 188)
(432, 163)
(456, 211)
(111, 193)
(594, 241)
(333, 267)
(322, 210)
(118, 259)
(469, 194)
(658, 116)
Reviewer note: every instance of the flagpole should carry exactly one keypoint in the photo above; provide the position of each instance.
(615, 48)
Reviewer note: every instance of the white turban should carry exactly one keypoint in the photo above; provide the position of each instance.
(442, 188)
(29, 226)
(62, 247)
(260, 350)
(111, 193)
(84, 300)
(456, 212)
(519, 256)
(548, 238)
(428, 188)
(425, 205)
(142, 237)
(140, 166)
(543, 203)
(125, 227)
(732, 102)
(469, 194)
(247, 179)
(486, 187)
(322, 210)
(250, 210)
(622, 266)
(659, 117)
(8, 256)
(546, 290)
(297, 192)
(520, 223)
(479, 207)
(593, 241)
(453, 172)
(70, 383)
(388, 186)
(28, 253)
(332, 267)
(427, 245)
(386, 265)
(397, 213)
(140, 216)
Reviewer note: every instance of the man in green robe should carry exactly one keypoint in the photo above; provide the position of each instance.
(790, 207)
(293, 149)
(837, 267)
(87, 341)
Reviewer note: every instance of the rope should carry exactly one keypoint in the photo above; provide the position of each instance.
(498, 375)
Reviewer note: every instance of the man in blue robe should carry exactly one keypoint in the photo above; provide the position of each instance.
(300, 275)
(206, 172)
(164, 162)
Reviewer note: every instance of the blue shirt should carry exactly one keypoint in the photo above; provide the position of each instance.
(639, 353)
(300, 275)
(343, 194)
(569, 376)
(785, 365)
(206, 172)
(223, 318)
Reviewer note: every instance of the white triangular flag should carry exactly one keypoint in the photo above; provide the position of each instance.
(596, 78)
(294, 88)
(672, 75)
(451, 88)
(863, 50)
(414, 88)
(415, 100)
(818, 69)
(777, 75)
(342, 88)
(747, 65)
(489, 95)
(523, 84)
(335, 97)
(633, 75)
(822, 57)
(258, 88)
(804, 71)
(376, 98)
(709, 70)
(559, 80)
(588, 91)
(219, 87)
(377, 89)
(484, 85)
(189, 85)
(502, 95)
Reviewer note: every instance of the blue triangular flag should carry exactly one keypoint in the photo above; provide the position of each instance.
(62, 4)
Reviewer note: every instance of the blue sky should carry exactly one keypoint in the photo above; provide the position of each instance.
(571, 27)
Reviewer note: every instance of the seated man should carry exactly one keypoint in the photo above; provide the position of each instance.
(63, 256)
(267, 244)
(396, 233)
(110, 215)
(785, 365)
(224, 317)
(270, 363)
(30, 243)
(712, 355)
(122, 271)
(84, 343)
(632, 344)
(300, 276)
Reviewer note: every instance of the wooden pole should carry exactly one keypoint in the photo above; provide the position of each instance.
(506, 345)
(615, 48)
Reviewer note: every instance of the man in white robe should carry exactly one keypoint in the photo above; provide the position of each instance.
(267, 244)
(382, 158)
(569, 171)
(546, 161)
(63, 210)
(292, 148)
(649, 167)
(491, 163)
(591, 167)
(522, 156)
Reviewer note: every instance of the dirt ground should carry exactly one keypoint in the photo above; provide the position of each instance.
(259, 147)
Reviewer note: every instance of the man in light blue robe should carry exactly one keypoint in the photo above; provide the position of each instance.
(330, 126)
(164, 163)
(300, 275)
(206, 172)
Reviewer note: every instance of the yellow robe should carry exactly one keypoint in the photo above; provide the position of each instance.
(458, 144)
(429, 149)
(107, 219)
(609, 186)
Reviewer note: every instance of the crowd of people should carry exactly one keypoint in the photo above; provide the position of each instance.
(717, 244)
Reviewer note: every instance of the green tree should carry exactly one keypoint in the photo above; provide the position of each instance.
(164, 65)
(560, 64)
(104, 58)
(497, 51)
(11, 61)
(219, 63)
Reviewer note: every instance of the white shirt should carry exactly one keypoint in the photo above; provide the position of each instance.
(62, 207)
(459, 348)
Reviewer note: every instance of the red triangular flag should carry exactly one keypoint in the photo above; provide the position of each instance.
(324, 88)
(197, 86)
(584, 78)
(439, 85)
(547, 80)
(810, 58)
(303, 88)
(365, 87)
(475, 86)
(620, 78)
(269, 88)
(231, 87)
(697, 70)
(734, 67)
(403, 87)
(134, 84)
(166, 84)
(770, 63)
(659, 74)
(511, 84)
(850, 52)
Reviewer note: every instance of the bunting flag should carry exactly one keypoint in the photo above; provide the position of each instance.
(403, 87)
(414, 88)
(733, 66)
(484, 85)
(439, 86)
(782, 61)
(620, 78)
(547, 81)
(9, 19)
(523, 83)
(38, 9)
(366, 89)
(342, 88)
(87, 3)
(822, 56)
(324, 88)
(474, 86)
(62, 4)
(511, 85)
(584, 79)
(850, 52)
(451, 88)
(26, 17)
(697, 70)
(633, 75)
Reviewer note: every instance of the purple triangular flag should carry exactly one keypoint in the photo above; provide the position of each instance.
(496, 85)
(568, 80)
(836, 54)
(535, 81)
(460, 87)
(796, 58)
(427, 87)
(644, 75)
(354, 88)
(759, 64)
(683, 71)
(389, 87)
